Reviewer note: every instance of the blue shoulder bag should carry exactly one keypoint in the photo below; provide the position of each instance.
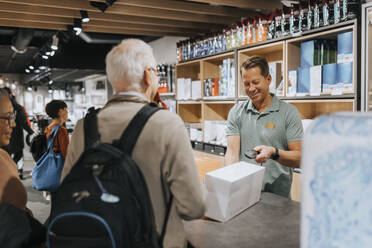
(47, 172)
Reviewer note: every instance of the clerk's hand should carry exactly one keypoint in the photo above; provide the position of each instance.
(264, 153)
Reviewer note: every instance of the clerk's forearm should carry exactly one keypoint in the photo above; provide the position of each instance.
(290, 158)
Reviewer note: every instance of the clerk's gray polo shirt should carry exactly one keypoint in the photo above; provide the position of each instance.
(276, 126)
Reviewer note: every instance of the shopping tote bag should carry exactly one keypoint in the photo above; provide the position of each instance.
(47, 172)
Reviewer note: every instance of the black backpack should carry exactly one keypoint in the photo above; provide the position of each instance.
(38, 146)
(104, 201)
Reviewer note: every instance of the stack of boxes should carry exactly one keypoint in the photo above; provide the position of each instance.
(188, 89)
(224, 85)
(326, 67)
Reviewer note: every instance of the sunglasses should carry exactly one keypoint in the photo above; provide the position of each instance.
(10, 118)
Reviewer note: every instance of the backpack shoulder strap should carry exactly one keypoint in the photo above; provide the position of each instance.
(91, 134)
(130, 135)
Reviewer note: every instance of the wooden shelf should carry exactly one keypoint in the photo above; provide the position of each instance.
(216, 110)
(309, 109)
(293, 48)
(190, 112)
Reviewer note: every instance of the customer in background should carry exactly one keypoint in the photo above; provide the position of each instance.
(16, 145)
(162, 152)
(57, 110)
(266, 124)
(12, 191)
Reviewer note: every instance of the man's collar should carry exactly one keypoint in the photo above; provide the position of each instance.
(128, 96)
(274, 106)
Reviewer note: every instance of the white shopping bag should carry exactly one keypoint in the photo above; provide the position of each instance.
(232, 189)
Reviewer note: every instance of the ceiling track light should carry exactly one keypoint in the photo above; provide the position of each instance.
(31, 67)
(44, 56)
(99, 5)
(55, 40)
(110, 2)
(84, 16)
(27, 70)
(77, 26)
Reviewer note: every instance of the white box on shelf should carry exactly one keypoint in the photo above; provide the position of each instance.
(180, 88)
(292, 83)
(275, 70)
(315, 80)
(232, 189)
(187, 88)
(196, 89)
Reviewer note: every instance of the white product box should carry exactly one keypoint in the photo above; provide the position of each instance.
(292, 87)
(180, 88)
(232, 189)
(315, 80)
(196, 89)
(187, 88)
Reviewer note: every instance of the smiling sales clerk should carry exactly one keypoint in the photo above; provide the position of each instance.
(266, 124)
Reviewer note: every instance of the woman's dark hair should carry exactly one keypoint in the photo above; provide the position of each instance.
(256, 61)
(53, 107)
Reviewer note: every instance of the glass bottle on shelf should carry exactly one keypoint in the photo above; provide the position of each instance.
(316, 19)
(271, 27)
(301, 19)
(309, 17)
(336, 11)
(292, 21)
(325, 13)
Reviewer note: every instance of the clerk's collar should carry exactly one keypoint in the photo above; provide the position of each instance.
(274, 106)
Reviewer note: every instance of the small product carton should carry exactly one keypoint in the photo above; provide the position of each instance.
(233, 189)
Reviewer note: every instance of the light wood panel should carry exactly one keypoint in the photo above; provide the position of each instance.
(250, 4)
(207, 162)
(217, 111)
(313, 108)
(191, 7)
(191, 112)
(128, 10)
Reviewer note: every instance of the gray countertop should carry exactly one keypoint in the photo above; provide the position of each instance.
(273, 222)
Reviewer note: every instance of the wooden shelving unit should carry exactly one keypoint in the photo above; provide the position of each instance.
(287, 52)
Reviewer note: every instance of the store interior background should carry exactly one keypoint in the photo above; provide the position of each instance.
(83, 94)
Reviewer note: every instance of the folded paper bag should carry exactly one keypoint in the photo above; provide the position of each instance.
(232, 189)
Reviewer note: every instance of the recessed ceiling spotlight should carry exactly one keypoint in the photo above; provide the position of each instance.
(31, 67)
(84, 16)
(44, 56)
(37, 71)
(27, 70)
(52, 53)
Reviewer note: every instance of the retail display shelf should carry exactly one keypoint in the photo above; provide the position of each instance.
(321, 97)
(167, 94)
(258, 44)
(191, 101)
(218, 98)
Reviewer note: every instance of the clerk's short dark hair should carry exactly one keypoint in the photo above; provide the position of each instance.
(256, 61)
(53, 107)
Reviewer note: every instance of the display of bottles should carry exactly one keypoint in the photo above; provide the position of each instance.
(298, 18)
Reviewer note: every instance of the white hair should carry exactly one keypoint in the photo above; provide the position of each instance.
(126, 63)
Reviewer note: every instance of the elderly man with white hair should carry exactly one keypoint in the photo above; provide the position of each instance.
(162, 152)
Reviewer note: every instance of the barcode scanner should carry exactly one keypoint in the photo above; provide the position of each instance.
(251, 154)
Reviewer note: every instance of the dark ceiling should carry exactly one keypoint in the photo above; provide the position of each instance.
(74, 59)
(83, 55)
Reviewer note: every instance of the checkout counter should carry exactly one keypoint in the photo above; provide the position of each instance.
(273, 222)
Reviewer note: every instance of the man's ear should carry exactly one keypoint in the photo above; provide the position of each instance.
(147, 78)
(269, 79)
